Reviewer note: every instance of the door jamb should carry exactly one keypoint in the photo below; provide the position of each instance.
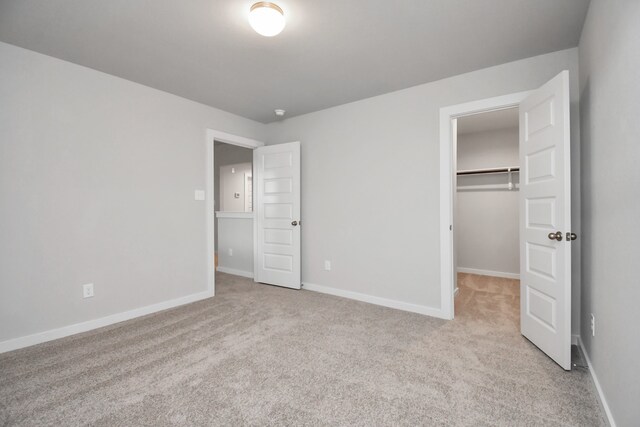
(447, 180)
(213, 135)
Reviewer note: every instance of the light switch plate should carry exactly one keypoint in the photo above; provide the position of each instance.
(199, 195)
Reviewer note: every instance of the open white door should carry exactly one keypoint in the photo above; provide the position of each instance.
(545, 220)
(277, 210)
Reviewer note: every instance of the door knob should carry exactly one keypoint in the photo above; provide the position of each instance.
(571, 236)
(556, 236)
(294, 223)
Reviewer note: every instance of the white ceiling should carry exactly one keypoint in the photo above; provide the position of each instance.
(493, 120)
(330, 53)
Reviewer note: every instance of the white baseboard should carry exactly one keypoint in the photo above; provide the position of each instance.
(603, 401)
(488, 273)
(65, 331)
(575, 339)
(399, 305)
(235, 272)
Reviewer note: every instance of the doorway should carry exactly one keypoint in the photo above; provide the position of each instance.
(233, 143)
(544, 209)
(486, 217)
(267, 197)
(486, 220)
(233, 201)
(449, 117)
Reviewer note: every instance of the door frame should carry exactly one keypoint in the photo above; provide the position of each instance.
(447, 185)
(212, 136)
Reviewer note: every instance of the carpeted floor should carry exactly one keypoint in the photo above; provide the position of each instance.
(261, 355)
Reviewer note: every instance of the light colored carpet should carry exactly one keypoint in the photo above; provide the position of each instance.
(261, 355)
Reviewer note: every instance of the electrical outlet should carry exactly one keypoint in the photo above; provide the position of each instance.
(230, 252)
(87, 290)
(593, 325)
(327, 265)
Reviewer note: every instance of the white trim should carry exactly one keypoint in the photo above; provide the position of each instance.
(65, 331)
(213, 135)
(255, 219)
(502, 274)
(236, 215)
(210, 220)
(596, 383)
(447, 184)
(231, 139)
(399, 305)
(575, 338)
(235, 272)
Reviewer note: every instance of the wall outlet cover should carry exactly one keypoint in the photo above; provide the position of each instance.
(327, 265)
(199, 195)
(87, 290)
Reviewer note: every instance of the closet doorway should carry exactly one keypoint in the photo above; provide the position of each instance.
(486, 217)
(543, 187)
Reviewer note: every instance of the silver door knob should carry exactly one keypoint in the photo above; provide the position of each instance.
(556, 236)
(294, 223)
(571, 236)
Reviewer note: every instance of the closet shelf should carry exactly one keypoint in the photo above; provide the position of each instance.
(489, 171)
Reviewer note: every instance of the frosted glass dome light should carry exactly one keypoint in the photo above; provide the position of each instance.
(266, 18)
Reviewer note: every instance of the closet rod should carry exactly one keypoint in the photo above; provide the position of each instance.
(488, 171)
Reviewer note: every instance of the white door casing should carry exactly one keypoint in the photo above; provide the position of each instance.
(454, 201)
(277, 210)
(448, 116)
(545, 208)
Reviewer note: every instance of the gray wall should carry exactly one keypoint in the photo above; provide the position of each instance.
(610, 117)
(487, 221)
(227, 154)
(493, 148)
(236, 234)
(99, 175)
(97, 180)
(352, 216)
(233, 180)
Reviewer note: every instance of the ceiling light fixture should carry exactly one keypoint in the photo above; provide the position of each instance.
(266, 18)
